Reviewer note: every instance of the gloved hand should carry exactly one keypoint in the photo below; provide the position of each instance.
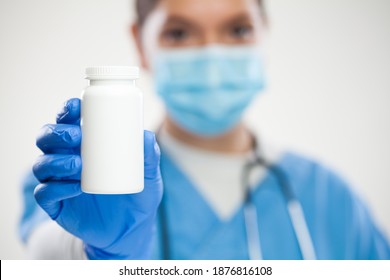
(111, 226)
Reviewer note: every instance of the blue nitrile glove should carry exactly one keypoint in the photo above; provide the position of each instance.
(111, 226)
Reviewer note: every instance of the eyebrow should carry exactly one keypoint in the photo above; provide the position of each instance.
(239, 18)
(175, 19)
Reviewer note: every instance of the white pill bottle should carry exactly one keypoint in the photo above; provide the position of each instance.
(112, 147)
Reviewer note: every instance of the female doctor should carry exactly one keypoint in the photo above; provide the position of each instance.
(227, 195)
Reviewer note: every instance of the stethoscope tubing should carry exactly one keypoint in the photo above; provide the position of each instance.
(294, 209)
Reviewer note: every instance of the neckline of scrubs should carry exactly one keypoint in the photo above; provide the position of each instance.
(211, 226)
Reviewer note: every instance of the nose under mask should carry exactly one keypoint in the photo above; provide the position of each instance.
(206, 90)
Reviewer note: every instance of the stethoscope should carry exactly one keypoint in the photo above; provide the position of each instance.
(294, 209)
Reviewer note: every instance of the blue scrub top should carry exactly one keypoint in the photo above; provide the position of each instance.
(339, 223)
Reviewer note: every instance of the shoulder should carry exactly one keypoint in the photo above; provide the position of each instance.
(323, 192)
(32, 214)
(333, 207)
(311, 175)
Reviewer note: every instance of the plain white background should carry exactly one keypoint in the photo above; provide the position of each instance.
(328, 95)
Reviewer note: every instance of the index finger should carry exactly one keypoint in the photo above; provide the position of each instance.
(70, 113)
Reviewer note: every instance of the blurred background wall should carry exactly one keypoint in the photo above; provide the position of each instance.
(328, 96)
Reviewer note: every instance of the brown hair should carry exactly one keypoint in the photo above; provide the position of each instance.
(145, 7)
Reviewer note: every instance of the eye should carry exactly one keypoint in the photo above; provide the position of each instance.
(241, 31)
(175, 34)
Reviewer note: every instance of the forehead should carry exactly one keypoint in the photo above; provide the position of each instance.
(209, 10)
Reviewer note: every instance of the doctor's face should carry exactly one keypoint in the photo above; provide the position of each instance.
(206, 60)
(195, 23)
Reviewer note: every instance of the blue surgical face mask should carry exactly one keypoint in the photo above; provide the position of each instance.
(206, 90)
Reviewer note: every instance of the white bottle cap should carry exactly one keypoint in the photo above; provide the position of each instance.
(112, 72)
